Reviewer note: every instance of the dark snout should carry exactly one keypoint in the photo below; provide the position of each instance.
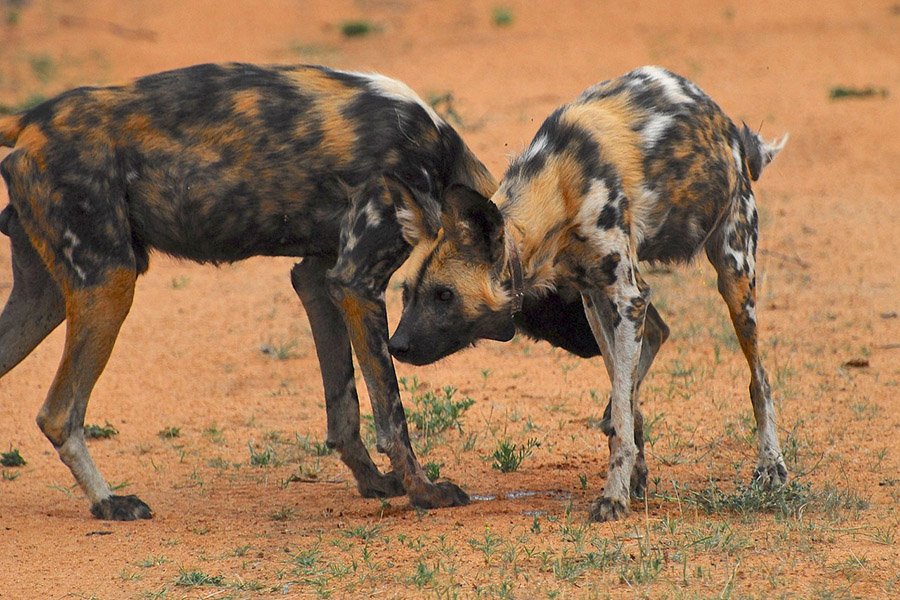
(398, 345)
(417, 342)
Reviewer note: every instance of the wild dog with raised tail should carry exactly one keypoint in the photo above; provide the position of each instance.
(645, 167)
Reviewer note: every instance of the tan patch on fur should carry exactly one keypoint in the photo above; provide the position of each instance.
(246, 102)
(32, 139)
(610, 120)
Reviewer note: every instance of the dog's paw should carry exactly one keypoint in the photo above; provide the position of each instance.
(607, 509)
(770, 475)
(439, 495)
(121, 508)
(388, 485)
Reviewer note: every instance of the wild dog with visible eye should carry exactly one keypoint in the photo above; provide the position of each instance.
(217, 163)
(645, 167)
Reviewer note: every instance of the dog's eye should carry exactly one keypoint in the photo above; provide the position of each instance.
(444, 294)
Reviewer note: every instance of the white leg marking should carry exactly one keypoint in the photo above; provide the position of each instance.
(74, 454)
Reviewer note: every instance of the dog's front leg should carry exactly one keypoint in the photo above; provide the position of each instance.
(372, 248)
(336, 365)
(619, 332)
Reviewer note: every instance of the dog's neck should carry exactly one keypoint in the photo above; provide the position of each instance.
(516, 276)
(529, 255)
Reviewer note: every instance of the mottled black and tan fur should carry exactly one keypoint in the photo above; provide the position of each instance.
(217, 163)
(645, 167)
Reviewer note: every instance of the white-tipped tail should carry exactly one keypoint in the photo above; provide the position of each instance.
(758, 152)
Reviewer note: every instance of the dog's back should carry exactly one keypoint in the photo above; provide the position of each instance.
(217, 163)
(662, 142)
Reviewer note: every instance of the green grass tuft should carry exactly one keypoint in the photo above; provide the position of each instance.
(12, 458)
(502, 16)
(842, 92)
(196, 578)
(358, 28)
(508, 457)
(97, 432)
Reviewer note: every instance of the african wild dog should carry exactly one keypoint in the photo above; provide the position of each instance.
(217, 163)
(643, 167)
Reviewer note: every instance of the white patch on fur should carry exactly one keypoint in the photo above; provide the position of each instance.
(74, 454)
(535, 149)
(412, 230)
(72, 242)
(591, 205)
(351, 242)
(654, 128)
(669, 84)
(736, 153)
(373, 218)
(397, 90)
(642, 224)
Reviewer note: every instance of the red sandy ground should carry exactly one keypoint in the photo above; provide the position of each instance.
(189, 354)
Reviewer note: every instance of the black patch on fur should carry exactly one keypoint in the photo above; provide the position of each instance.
(560, 320)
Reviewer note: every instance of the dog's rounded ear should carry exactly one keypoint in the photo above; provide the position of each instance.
(418, 213)
(474, 223)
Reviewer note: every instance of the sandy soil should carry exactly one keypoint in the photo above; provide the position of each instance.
(189, 355)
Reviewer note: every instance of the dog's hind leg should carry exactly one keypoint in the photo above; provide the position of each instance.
(732, 251)
(336, 364)
(94, 316)
(35, 305)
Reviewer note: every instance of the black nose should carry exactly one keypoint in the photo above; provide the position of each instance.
(398, 345)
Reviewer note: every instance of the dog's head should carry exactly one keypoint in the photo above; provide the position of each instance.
(454, 293)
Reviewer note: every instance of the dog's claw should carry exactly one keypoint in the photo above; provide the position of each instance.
(607, 509)
(121, 508)
(771, 475)
(440, 495)
(388, 485)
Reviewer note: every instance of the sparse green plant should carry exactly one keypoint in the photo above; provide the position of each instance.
(43, 67)
(9, 475)
(170, 433)
(180, 282)
(508, 456)
(126, 575)
(266, 457)
(358, 28)
(488, 545)
(215, 433)
(152, 561)
(282, 350)
(363, 532)
(842, 92)
(502, 16)
(312, 447)
(12, 458)
(192, 578)
(433, 470)
(97, 432)
(424, 574)
(435, 412)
